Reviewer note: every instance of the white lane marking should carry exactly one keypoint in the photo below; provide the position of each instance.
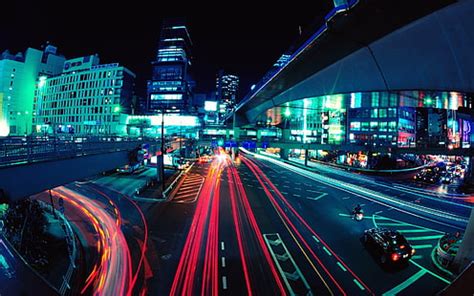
(224, 282)
(223, 261)
(296, 195)
(222, 246)
(317, 197)
(283, 192)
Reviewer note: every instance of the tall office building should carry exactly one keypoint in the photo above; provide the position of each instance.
(170, 88)
(87, 98)
(227, 87)
(18, 76)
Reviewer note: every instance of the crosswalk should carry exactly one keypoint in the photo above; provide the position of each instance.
(422, 239)
(189, 189)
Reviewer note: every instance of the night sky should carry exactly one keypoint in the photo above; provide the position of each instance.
(239, 38)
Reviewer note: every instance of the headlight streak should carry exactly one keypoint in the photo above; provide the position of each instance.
(372, 195)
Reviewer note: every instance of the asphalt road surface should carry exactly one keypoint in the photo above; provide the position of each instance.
(258, 227)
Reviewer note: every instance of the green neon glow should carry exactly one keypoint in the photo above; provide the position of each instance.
(416, 247)
(3, 262)
(117, 109)
(341, 266)
(373, 221)
(417, 257)
(405, 284)
(42, 81)
(439, 266)
(391, 224)
(417, 238)
(327, 251)
(287, 112)
(430, 272)
(412, 230)
(359, 284)
(404, 223)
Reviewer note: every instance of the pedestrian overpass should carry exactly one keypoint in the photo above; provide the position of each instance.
(34, 164)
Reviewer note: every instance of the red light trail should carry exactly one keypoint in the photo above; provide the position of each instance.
(232, 171)
(263, 180)
(206, 214)
(112, 275)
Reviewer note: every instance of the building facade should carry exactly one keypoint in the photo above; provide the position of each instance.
(87, 98)
(378, 119)
(170, 88)
(227, 87)
(18, 77)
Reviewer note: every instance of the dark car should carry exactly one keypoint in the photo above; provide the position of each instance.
(388, 246)
(431, 177)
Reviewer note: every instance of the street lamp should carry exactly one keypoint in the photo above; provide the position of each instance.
(162, 156)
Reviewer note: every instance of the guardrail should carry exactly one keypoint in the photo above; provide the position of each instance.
(17, 150)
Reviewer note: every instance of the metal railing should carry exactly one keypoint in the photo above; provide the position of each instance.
(18, 150)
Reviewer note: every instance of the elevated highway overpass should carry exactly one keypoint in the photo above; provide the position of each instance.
(376, 46)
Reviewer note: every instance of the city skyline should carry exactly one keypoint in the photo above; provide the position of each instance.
(289, 150)
(247, 47)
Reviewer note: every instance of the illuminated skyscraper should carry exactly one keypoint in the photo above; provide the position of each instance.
(227, 87)
(171, 86)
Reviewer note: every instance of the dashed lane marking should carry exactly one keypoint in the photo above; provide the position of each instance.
(224, 282)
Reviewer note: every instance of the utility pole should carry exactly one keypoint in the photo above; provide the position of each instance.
(161, 162)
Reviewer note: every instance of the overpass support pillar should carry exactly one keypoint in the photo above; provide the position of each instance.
(285, 136)
(237, 132)
(159, 171)
(259, 135)
(465, 253)
(306, 156)
(284, 153)
(469, 176)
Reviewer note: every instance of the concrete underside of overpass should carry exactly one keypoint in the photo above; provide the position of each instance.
(21, 181)
(431, 53)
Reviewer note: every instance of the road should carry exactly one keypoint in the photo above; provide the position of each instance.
(257, 227)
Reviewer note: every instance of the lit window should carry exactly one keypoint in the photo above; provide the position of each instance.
(355, 126)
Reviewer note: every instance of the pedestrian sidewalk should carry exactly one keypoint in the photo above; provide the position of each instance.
(154, 190)
(62, 249)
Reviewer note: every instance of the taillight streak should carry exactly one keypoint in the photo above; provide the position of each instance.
(303, 221)
(251, 218)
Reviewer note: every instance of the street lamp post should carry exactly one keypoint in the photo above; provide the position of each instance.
(161, 163)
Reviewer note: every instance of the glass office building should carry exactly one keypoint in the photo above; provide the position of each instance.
(379, 119)
(170, 88)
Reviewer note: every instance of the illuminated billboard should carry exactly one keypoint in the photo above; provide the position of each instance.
(166, 97)
(210, 106)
